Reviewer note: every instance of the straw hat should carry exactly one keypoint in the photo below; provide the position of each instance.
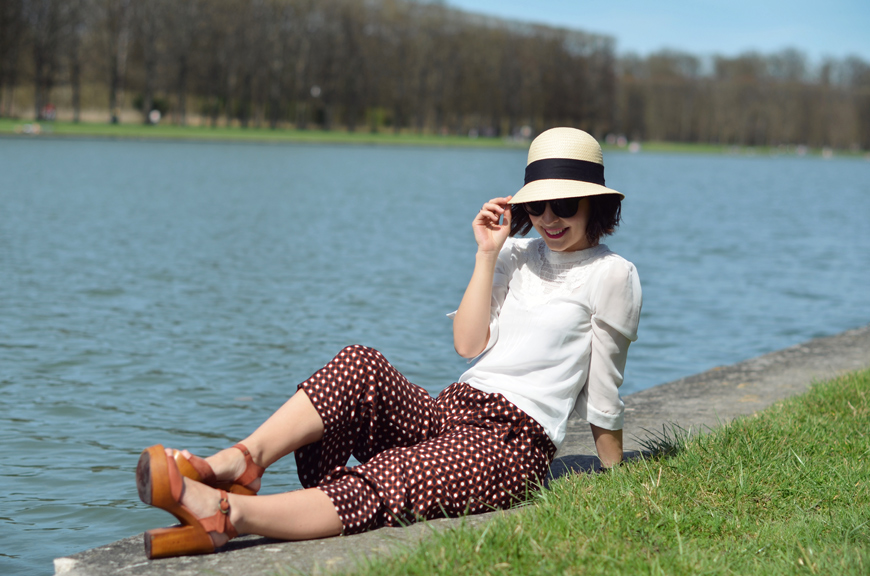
(563, 163)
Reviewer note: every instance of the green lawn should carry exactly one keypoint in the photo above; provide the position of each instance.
(784, 492)
(363, 136)
(171, 132)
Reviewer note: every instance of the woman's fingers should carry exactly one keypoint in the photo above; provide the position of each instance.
(487, 216)
(507, 214)
(496, 205)
(495, 208)
(490, 230)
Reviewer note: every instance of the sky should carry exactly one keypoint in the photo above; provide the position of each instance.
(834, 28)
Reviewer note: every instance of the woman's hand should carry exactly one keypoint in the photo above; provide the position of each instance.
(489, 234)
(471, 323)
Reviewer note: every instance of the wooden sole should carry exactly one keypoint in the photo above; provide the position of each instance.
(177, 541)
(143, 477)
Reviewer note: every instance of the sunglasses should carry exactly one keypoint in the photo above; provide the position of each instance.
(563, 207)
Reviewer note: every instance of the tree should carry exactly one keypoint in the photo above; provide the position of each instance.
(114, 26)
(12, 26)
(147, 19)
(48, 21)
(77, 13)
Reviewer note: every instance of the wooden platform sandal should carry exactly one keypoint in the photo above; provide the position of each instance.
(198, 469)
(160, 484)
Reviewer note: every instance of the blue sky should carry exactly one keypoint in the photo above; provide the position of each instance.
(835, 28)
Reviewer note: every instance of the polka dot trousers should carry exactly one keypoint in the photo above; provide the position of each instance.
(422, 457)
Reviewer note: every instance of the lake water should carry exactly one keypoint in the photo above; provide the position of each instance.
(176, 292)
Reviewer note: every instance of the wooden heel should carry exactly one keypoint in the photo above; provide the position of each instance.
(177, 541)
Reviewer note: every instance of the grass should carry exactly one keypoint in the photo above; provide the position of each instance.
(363, 136)
(237, 134)
(733, 150)
(783, 492)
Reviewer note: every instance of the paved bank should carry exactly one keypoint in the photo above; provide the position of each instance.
(698, 402)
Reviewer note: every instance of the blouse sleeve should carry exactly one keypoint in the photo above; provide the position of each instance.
(501, 277)
(616, 309)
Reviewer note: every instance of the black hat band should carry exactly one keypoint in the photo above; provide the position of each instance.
(565, 169)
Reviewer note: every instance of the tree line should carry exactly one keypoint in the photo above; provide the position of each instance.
(405, 65)
(751, 99)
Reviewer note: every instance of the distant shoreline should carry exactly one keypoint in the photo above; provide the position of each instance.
(27, 128)
(62, 129)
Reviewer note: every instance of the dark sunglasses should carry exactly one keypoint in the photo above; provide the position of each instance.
(563, 207)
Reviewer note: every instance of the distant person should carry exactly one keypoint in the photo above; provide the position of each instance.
(549, 321)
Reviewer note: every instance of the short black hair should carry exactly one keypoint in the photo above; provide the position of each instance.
(605, 213)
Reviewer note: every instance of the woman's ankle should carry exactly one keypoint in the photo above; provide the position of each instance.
(203, 502)
(255, 450)
(228, 464)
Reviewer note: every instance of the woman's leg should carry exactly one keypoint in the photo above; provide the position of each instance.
(298, 515)
(293, 425)
(488, 455)
(357, 404)
(366, 406)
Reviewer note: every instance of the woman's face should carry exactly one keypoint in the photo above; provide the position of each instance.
(564, 234)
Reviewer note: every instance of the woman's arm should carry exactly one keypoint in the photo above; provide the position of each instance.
(608, 443)
(471, 323)
(616, 310)
(606, 369)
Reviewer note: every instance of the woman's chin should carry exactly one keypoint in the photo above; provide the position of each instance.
(565, 244)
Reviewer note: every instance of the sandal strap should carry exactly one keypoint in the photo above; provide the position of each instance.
(252, 471)
(203, 469)
(220, 522)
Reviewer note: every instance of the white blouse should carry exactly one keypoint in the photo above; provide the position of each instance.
(561, 324)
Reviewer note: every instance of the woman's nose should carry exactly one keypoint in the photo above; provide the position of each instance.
(548, 215)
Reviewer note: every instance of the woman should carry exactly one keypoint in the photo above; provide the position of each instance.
(549, 321)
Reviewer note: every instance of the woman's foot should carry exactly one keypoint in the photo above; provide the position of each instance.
(204, 502)
(233, 463)
(232, 469)
(205, 514)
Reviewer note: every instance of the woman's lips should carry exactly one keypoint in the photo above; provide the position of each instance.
(555, 233)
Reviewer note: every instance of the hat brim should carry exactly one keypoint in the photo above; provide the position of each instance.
(556, 189)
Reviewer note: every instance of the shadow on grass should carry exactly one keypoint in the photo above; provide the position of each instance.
(665, 444)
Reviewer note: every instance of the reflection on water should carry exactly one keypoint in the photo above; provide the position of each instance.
(176, 293)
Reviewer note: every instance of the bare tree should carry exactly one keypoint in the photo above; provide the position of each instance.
(12, 26)
(78, 11)
(47, 20)
(114, 26)
(184, 19)
(858, 78)
(147, 19)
